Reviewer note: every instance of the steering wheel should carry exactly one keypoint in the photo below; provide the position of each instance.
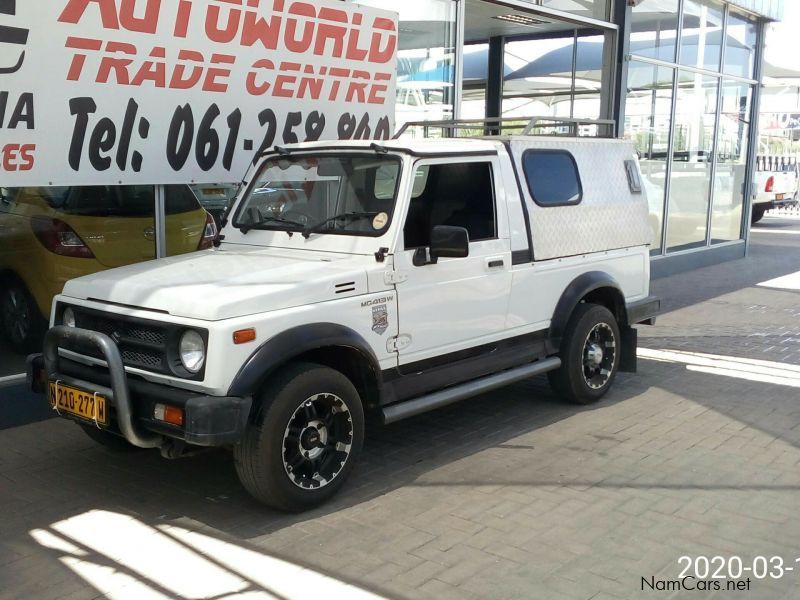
(296, 215)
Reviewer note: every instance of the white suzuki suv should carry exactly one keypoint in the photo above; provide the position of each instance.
(356, 278)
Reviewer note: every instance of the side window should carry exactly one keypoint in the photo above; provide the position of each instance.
(552, 177)
(459, 195)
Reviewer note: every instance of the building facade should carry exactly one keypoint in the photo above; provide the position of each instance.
(680, 78)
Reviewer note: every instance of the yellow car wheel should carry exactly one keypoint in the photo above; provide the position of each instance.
(22, 326)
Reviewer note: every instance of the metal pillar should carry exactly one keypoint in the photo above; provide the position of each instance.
(752, 150)
(160, 221)
(622, 18)
(496, 75)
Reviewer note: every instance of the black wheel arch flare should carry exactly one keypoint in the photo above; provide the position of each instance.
(294, 343)
(596, 286)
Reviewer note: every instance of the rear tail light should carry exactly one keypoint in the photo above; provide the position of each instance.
(770, 184)
(59, 238)
(209, 233)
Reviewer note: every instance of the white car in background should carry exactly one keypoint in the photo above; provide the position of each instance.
(423, 101)
(775, 189)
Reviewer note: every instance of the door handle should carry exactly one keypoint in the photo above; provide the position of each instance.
(495, 263)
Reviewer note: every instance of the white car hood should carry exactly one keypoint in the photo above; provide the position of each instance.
(229, 282)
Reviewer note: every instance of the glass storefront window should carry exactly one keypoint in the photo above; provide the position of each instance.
(188, 225)
(693, 149)
(589, 53)
(701, 35)
(215, 197)
(654, 29)
(425, 59)
(594, 9)
(476, 67)
(647, 123)
(732, 145)
(740, 46)
(544, 85)
(49, 235)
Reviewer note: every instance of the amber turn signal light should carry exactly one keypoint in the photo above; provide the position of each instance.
(168, 414)
(244, 336)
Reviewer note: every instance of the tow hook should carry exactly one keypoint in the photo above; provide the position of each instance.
(174, 449)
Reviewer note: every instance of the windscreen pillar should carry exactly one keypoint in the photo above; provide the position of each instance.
(494, 79)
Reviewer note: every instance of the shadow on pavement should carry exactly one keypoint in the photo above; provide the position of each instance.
(53, 485)
(205, 487)
(770, 257)
(200, 500)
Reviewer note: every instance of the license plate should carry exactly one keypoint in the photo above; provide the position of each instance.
(86, 405)
(779, 196)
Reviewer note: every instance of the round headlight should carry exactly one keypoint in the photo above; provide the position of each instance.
(192, 351)
(68, 317)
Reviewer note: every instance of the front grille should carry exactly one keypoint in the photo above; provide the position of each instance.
(142, 344)
(153, 336)
(151, 359)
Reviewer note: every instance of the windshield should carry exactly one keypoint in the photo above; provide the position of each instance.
(349, 195)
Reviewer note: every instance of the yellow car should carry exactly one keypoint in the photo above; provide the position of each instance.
(51, 235)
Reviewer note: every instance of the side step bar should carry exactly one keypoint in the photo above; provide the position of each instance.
(411, 408)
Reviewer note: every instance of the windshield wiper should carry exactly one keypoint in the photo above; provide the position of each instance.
(264, 220)
(351, 216)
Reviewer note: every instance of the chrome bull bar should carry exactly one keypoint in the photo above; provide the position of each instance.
(119, 394)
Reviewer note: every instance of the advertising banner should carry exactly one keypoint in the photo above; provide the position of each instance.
(780, 121)
(104, 92)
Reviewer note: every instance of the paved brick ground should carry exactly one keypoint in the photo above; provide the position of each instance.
(511, 495)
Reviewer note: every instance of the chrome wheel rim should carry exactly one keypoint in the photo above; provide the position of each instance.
(599, 356)
(16, 315)
(317, 441)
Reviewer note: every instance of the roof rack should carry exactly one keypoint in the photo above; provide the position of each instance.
(497, 126)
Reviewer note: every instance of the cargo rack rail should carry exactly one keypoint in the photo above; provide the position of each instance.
(498, 126)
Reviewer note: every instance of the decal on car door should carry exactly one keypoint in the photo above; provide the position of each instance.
(380, 319)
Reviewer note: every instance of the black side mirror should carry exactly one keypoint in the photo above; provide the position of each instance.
(446, 242)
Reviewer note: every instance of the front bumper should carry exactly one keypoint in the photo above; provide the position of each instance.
(207, 420)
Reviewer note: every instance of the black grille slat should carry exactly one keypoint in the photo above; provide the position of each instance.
(142, 346)
(131, 357)
(143, 334)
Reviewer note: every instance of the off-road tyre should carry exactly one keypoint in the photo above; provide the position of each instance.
(572, 381)
(267, 457)
(758, 213)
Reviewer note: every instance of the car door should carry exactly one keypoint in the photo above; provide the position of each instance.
(458, 303)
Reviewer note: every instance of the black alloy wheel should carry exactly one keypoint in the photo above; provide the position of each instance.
(590, 355)
(317, 441)
(303, 439)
